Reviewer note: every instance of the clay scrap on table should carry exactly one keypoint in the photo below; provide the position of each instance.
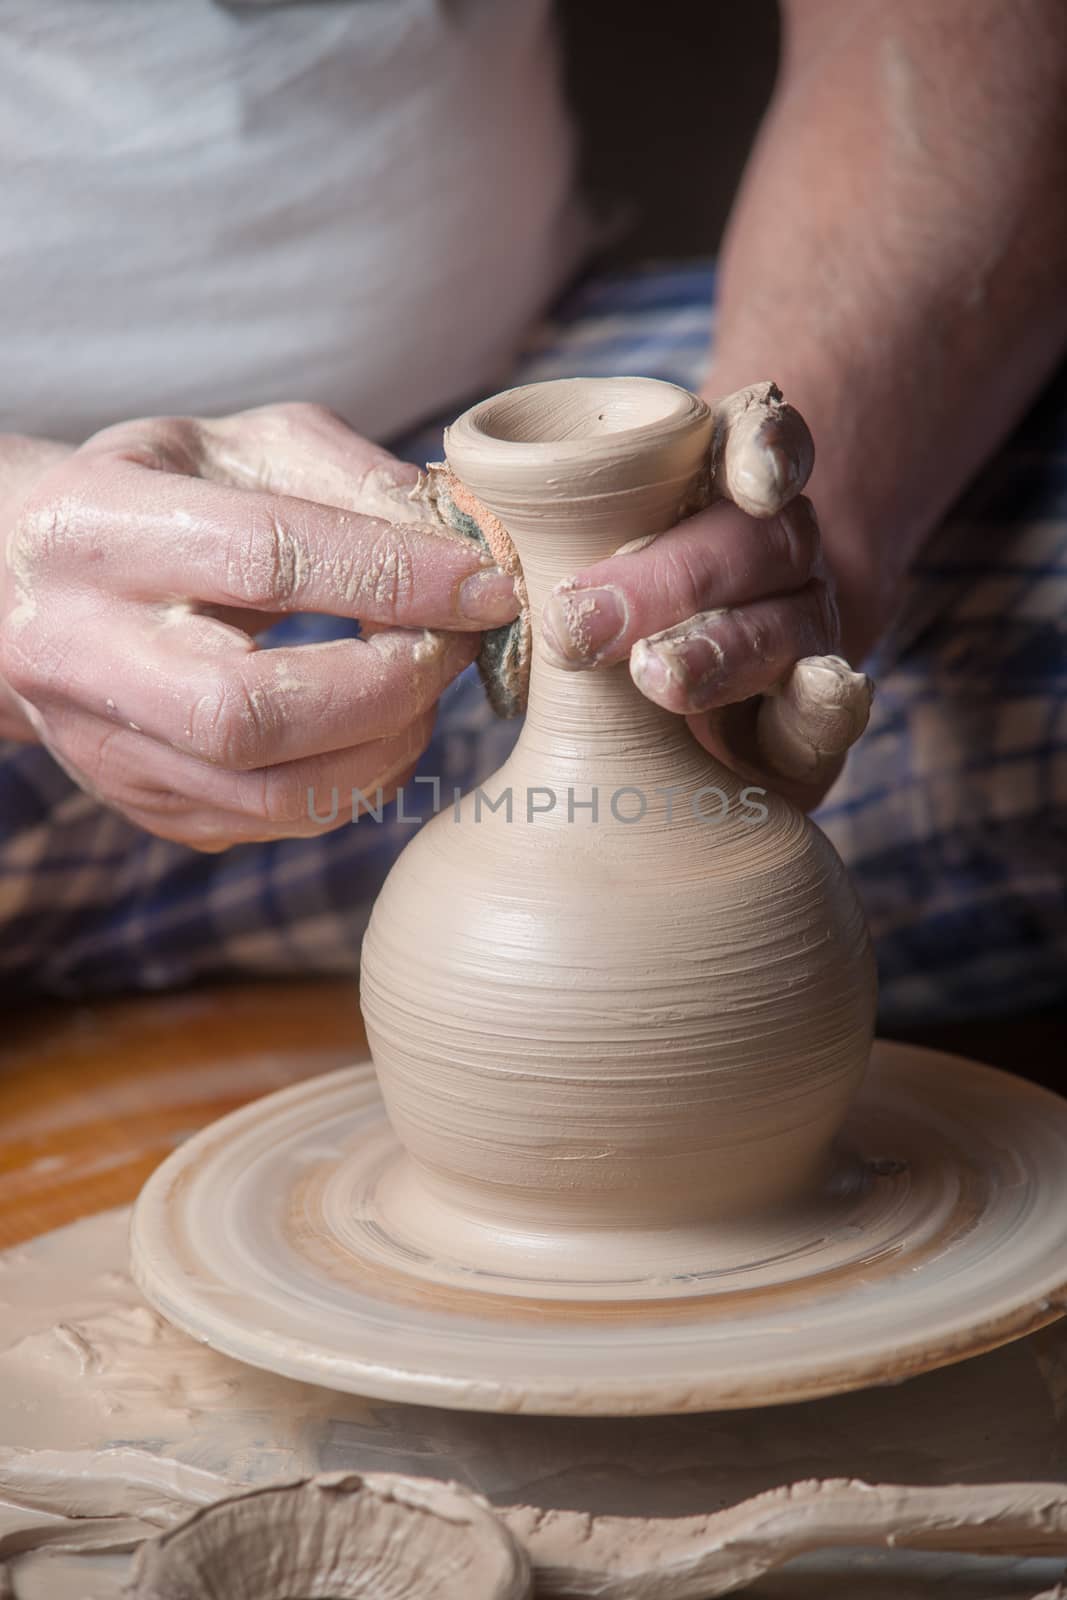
(346, 1536)
(340, 1536)
(696, 1558)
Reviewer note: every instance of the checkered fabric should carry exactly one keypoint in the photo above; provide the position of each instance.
(950, 815)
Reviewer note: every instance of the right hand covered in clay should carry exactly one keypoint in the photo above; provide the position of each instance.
(730, 618)
(138, 570)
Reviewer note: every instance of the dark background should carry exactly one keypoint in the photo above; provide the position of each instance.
(668, 95)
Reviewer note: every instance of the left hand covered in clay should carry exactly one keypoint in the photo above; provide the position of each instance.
(732, 605)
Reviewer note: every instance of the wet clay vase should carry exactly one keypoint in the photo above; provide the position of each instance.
(605, 1161)
(618, 1000)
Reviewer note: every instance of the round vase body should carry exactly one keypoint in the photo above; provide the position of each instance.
(616, 992)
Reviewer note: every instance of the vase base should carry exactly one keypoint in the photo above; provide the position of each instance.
(374, 1205)
(293, 1235)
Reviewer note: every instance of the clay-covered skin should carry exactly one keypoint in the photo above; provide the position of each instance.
(714, 613)
(646, 1018)
(818, 713)
(165, 547)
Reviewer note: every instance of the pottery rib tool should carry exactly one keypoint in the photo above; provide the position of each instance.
(620, 1149)
(504, 659)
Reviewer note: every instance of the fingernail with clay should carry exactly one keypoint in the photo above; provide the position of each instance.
(767, 466)
(673, 663)
(762, 476)
(783, 467)
(488, 597)
(579, 625)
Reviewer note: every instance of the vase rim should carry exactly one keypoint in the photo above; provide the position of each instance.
(565, 418)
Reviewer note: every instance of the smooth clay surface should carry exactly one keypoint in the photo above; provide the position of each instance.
(271, 1234)
(616, 996)
(116, 1426)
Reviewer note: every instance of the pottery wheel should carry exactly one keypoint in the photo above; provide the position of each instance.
(270, 1237)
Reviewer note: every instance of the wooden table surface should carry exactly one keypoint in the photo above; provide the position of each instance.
(92, 1097)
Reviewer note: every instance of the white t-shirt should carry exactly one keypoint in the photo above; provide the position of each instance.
(206, 206)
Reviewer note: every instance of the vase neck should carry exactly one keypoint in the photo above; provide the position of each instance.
(573, 470)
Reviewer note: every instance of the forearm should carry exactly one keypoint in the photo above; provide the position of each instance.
(897, 260)
(22, 462)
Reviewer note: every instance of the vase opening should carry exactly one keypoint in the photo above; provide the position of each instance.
(558, 412)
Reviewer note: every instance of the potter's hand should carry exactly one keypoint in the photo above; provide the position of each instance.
(138, 569)
(733, 604)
